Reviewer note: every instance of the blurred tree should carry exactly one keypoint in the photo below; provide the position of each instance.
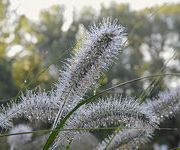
(7, 86)
(87, 17)
(52, 40)
(27, 63)
(19, 61)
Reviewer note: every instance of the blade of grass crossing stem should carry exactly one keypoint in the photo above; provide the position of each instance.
(61, 124)
(61, 130)
(50, 130)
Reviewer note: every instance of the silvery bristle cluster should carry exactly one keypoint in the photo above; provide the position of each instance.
(166, 104)
(96, 54)
(128, 139)
(109, 112)
(33, 106)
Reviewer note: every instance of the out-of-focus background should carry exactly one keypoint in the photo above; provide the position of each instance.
(34, 33)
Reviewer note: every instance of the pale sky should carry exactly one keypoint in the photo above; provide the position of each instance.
(31, 8)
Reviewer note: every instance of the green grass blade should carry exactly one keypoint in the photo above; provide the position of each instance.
(60, 130)
(79, 129)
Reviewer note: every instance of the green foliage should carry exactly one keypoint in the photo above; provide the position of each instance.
(29, 66)
(51, 39)
(7, 86)
(17, 71)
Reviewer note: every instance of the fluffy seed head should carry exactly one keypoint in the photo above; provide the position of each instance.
(109, 112)
(33, 106)
(96, 54)
(128, 139)
(166, 104)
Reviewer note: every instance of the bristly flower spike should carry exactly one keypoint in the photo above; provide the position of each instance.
(33, 106)
(96, 54)
(109, 112)
(166, 104)
(128, 139)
